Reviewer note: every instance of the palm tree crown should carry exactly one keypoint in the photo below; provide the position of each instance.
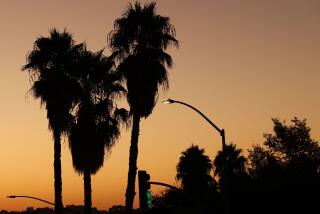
(231, 156)
(139, 39)
(97, 120)
(48, 63)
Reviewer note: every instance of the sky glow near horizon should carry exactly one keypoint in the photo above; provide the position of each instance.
(240, 62)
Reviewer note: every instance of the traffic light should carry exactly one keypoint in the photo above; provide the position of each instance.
(144, 189)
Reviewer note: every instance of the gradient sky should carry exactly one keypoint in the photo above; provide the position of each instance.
(240, 62)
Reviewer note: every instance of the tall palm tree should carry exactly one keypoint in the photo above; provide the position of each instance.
(47, 64)
(140, 38)
(97, 120)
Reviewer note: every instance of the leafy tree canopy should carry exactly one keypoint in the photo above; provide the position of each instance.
(290, 146)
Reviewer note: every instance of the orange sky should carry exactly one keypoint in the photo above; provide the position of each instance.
(240, 62)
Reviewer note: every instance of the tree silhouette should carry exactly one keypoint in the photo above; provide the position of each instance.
(47, 64)
(199, 193)
(293, 146)
(97, 120)
(193, 172)
(140, 39)
(236, 162)
(236, 175)
(285, 171)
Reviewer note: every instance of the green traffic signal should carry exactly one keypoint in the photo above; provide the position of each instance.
(144, 192)
(149, 198)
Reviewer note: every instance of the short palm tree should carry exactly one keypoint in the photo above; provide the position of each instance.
(230, 166)
(193, 172)
(47, 64)
(233, 158)
(140, 39)
(97, 120)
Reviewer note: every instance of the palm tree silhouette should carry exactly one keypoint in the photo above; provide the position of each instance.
(47, 64)
(193, 172)
(97, 120)
(139, 40)
(236, 162)
(236, 175)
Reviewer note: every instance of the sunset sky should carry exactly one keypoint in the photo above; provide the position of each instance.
(241, 62)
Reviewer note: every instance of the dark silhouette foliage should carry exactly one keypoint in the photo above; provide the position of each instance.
(235, 175)
(193, 172)
(139, 39)
(199, 192)
(236, 162)
(97, 120)
(285, 172)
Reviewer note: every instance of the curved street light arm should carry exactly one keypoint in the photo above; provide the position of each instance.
(199, 112)
(221, 131)
(165, 185)
(24, 196)
(39, 199)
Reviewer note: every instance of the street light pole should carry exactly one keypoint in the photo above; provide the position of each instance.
(223, 141)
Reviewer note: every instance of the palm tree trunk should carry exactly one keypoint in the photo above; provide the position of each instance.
(57, 174)
(87, 192)
(130, 192)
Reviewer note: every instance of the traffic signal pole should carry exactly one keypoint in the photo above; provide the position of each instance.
(201, 204)
(165, 185)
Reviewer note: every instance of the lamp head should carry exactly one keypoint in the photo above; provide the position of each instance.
(168, 101)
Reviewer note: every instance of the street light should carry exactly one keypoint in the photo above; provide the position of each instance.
(39, 199)
(222, 134)
(221, 131)
(24, 196)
